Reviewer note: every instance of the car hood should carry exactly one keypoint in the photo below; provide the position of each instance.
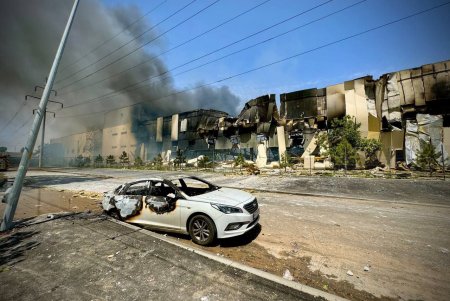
(226, 196)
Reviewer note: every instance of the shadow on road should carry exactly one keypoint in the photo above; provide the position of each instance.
(43, 181)
(238, 241)
(13, 246)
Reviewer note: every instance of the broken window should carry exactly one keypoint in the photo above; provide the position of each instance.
(161, 198)
(194, 186)
(140, 188)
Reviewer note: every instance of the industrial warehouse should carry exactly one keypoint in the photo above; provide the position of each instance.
(400, 109)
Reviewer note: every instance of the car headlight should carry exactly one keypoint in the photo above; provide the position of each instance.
(226, 209)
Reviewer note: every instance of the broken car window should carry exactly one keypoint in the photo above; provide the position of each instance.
(158, 188)
(140, 188)
(192, 186)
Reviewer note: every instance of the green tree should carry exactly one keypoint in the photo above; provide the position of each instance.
(239, 161)
(204, 162)
(110, 160)
(179, 159)
(427, 158)
(138, 161)
(79, 161)
(3, 149)
(98, 161)
(158, 161)
(285, 161)
(124, 159)
(341, 142)
(86, 161)
(344, 155)
(371, 147)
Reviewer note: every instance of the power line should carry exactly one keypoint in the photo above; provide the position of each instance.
(14, 116)
(157, 37)
(226, 46)
(113, 37)
(127, 43)
(173, 48)
(218, 59)
(279, 61)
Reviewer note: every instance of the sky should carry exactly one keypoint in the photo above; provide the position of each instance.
(410, 43)
(32, 30)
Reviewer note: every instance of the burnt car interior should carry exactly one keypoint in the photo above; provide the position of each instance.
(193, 186)
(139, 188)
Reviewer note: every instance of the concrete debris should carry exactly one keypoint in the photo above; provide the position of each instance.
(350, 273)
(287, 275)
(204, 298)
(366, 269)
(50, 216)
(444, 250)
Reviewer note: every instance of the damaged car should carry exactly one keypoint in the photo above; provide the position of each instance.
(188, 205)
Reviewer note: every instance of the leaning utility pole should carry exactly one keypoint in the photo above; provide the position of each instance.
(13, 196)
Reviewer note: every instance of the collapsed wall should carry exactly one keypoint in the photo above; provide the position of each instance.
(401, 109)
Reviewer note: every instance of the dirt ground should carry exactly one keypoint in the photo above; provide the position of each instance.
(405, 248)
(37, 201)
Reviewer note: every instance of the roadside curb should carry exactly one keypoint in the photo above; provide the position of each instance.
(228, 262)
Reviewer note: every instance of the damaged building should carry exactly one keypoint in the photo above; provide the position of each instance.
(400, 109)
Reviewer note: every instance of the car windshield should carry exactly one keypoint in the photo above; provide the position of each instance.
(194, 186)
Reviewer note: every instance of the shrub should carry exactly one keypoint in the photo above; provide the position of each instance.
(124, 159)
(239, 161)
(110, 160)
(427, 158)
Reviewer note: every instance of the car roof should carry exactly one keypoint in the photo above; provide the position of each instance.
(171, 178)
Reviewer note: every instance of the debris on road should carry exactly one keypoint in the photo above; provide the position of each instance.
(287, 275)
(366, 269)
(350, 273)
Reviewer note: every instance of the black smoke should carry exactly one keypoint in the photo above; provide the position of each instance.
(31, 30)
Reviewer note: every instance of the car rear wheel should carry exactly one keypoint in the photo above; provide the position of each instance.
(202, 230)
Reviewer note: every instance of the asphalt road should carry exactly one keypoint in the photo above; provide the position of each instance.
(430, 192)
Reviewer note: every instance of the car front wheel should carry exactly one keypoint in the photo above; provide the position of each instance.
(202, 230)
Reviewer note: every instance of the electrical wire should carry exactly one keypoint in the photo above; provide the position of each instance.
(141, 46)
(127, 43)
(14, 116)
(218, 59)
(113, 37)
(171, 49)
(278, 61)
(223, 47)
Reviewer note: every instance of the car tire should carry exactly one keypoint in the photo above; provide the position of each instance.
(202, 230)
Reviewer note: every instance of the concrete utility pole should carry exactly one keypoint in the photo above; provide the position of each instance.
(14, 194)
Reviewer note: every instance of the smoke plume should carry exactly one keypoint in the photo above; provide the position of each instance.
(31, 31)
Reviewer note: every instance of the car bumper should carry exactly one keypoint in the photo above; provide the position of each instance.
(249, 221)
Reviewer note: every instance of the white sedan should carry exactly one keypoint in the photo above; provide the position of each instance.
(187, 205)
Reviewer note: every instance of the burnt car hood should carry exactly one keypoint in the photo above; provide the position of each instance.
(225, 196)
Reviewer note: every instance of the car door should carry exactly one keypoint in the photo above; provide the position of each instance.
(160, 207)
(129, 202)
